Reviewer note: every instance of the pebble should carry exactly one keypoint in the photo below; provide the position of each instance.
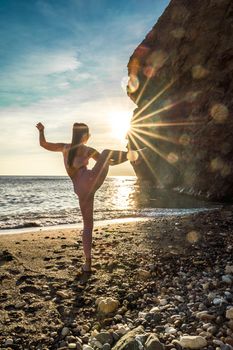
(107, 305)
(193, 341)
(153, 343)
(106, 346)
(152, 267)
(87, 347)
(20, 305)
(212, 329)
(227, 279)
(122, 330)
(228, 296)
(104, 337)
(229, 269)
(72, 346)
(170, 330)
(205, 316)
(97, 344)
(144, 273)
(62, 294)
(230, 324)
(65, 331)
(115, 336)
(229, 340)
(179, 298)
(218, 342)
(218, 301)
(9, 341)
(229, 313)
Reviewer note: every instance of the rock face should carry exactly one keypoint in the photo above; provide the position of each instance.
(181, 81)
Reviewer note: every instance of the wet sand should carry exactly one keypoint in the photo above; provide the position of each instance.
(173, 263)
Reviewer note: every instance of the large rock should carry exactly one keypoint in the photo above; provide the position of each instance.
(192, 342)
(129, 340)
(104, 337)
(181, 81)
(153, 343)
(107, 305)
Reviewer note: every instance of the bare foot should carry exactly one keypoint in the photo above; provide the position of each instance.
(87, 266)
(141, 155)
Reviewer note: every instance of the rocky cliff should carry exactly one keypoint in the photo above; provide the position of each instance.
(181, 80)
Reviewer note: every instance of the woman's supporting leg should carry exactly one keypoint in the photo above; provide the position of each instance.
(86, 199)
(86, 206)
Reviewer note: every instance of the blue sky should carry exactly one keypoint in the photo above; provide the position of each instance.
(64, 61)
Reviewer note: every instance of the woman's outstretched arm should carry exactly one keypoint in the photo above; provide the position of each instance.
(56, 147)
(93, 153)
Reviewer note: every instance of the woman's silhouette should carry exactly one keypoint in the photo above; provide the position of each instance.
(85, 181)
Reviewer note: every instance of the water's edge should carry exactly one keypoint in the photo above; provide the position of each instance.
(98, 223)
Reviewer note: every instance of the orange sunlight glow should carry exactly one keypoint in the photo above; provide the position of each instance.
(120, 123)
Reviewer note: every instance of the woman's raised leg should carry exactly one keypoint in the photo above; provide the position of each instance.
(100, 169)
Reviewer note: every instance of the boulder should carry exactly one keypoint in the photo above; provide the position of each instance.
(129, 341)
(193, 342)
(153, 343)
(104, 337)
(107, 305)
(180, 79)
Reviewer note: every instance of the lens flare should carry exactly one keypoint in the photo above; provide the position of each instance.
(178, 33)
(149, 71)
(226, 170)
(133, 84)
(193, 237)
(172, 158)
(184, 140)
(219, 112)
(216, 164)
(157, 59)
(199, 72)
(132, 156)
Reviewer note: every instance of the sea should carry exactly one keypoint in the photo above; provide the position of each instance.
(44, 201)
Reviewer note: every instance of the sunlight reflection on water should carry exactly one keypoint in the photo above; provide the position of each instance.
(46, 201)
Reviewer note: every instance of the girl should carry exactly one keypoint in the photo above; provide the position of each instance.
(85, 181)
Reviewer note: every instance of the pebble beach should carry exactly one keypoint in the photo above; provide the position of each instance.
(163, 283)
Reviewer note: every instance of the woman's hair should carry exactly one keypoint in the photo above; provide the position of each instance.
(79, 130)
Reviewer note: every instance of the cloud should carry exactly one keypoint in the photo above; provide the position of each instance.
(63, 64)
(39, 74)
(47, 63)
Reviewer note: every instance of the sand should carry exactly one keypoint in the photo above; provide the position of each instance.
(43, 289)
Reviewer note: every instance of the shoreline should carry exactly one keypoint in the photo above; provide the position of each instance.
(170, 275)
(99, 223)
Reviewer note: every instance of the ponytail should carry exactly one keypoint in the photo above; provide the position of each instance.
(79, 130)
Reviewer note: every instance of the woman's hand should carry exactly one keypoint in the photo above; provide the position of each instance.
(40, 126)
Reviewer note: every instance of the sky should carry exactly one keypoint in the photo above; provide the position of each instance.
(65, 61)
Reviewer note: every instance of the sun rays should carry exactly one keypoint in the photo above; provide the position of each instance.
(146, 131)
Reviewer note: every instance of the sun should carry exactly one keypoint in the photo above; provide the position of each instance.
(120, 123)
